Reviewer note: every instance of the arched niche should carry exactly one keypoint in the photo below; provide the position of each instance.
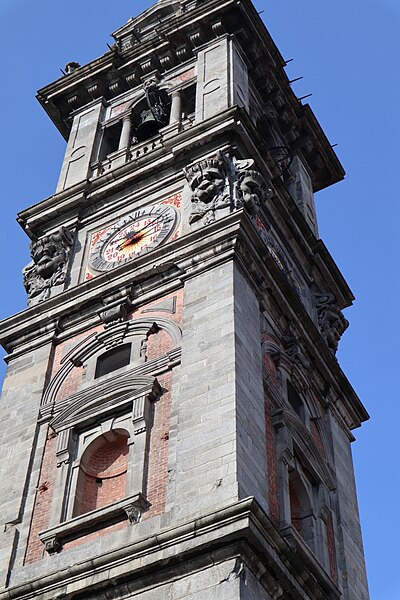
(102, 472)
(109, 417)
(301, 508)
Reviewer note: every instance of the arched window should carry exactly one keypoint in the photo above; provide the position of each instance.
(301, 509)
(102, 473)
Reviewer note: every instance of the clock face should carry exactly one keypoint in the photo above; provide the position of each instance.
(133, 235)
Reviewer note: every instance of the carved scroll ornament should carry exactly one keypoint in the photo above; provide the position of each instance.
(224, 182)
(48, 268)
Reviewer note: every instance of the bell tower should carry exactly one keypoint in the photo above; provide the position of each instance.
(175, 424)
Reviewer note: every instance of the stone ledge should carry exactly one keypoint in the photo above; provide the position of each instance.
(129, 508)
(300, 548)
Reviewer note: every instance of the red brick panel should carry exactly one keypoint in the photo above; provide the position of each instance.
(331, 547)
(151, 309)
(73, 381)
(44, 494)
(71, 384)
(295, 510)
(158, 344)
(158, 450)
(317, 437)
(103, 478)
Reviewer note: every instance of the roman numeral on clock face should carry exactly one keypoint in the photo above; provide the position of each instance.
(136, 233)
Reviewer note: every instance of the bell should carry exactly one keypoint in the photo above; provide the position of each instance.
(148, 126)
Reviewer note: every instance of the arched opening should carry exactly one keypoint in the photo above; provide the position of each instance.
(301, 511)
(102, 473)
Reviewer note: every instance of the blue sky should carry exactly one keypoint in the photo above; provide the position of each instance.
(348, 52)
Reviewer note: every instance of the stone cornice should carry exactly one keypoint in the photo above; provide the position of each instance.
(155, 274)
(211, 246)
(118, 71)
(75, 204)
(54, 97)
(241, 528)
(75, 199)
(313, 248)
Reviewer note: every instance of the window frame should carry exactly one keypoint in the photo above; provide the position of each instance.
(76, 429)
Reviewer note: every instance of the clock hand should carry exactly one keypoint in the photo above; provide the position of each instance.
(130, 239)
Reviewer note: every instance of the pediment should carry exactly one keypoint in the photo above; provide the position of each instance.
(155, 15)
(87, 405)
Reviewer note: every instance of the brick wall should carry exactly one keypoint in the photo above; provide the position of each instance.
(109, 461)
(317, 438)
(158, 450)
(44, 495)
(158, 344)
(270, 440)
(103, 477)
(295, 509)
(73, 381)
(156, 307)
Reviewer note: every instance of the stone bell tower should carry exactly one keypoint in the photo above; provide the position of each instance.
(175, 424)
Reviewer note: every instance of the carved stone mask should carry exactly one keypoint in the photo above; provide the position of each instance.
(49, 252)
(208, 183)
(252, 188)
(332, 322)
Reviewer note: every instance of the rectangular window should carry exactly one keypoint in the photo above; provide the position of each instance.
(113, 359)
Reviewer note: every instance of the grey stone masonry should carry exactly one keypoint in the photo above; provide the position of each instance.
(21, 450)
(250, 412)
(203, 417)
(352, 562)
(191, 273)
(222, 78)
(81, 145)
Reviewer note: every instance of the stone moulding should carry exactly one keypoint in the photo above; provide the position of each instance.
(296, 543)
(240, 528)
(129, 508)
(305, 446)
(126, 385)
(88, 404)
